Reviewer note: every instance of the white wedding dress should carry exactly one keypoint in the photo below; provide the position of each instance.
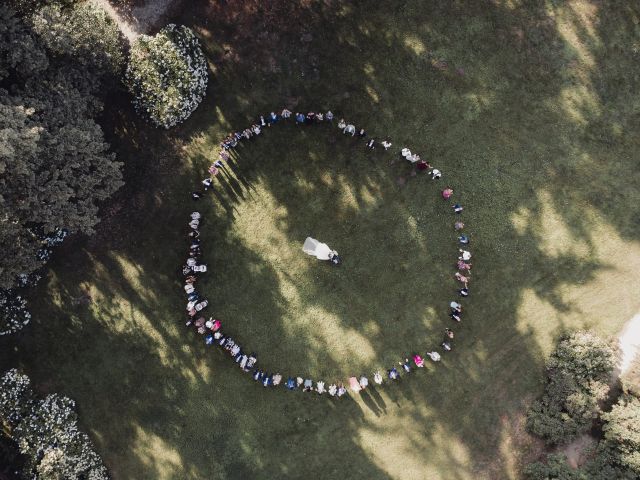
(319, 250)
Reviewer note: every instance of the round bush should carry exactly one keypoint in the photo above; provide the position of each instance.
(167, 75)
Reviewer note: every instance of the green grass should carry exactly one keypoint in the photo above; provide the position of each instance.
(538, 137)
(398, 246)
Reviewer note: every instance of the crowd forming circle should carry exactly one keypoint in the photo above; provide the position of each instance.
(215, 334)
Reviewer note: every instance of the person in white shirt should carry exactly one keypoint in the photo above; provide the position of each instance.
(435, 174)
(377, 378)
(465, 255)
(320, 387)
(364, 382)
(435, 356)
(386, 144)
(286, 113)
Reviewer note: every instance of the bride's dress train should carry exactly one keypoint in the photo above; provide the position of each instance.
(319, 250)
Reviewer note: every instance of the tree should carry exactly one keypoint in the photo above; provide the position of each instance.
(28, 7)
(20, 53)
(584, 356)
(577, 382)
(55, 166)
(84, 32)
(167, 75)
(621, 445)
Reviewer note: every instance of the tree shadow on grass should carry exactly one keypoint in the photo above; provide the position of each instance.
(483, 89)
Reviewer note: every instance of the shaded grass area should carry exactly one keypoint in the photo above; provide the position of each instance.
(529, 107)
(398, 247)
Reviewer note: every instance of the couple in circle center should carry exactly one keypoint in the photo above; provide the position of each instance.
(321, 251)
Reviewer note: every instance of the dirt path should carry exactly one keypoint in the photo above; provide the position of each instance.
(140, 19)
(629, 341)
(576, 450)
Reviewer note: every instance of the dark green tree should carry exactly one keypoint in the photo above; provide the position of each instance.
(55, 166)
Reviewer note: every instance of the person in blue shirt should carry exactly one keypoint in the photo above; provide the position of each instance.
(300, 118)
(406, 366)
(272, 118)
(193, 296)
(291, 383)
(463, 239)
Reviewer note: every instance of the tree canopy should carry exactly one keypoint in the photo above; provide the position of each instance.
(55, 166)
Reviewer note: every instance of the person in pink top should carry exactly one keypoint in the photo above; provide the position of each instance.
(462, 279)
(418, 360)
(447, 193)
(462, 266)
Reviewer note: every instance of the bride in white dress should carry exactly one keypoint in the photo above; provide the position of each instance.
(320, 250)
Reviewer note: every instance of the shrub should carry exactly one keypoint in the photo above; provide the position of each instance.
(54, 446)
(16, 397)
(14, 315)
(46, 432)
(577, 373)
(167, 75)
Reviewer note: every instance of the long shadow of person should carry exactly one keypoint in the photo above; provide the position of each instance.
(375, 395)
(371, 402)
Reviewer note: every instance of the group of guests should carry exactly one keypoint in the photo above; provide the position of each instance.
(211, 329)
(310, 118)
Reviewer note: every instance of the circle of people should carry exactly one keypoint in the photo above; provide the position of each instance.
(211, 328)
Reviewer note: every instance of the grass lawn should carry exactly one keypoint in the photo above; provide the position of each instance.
(529, 108)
